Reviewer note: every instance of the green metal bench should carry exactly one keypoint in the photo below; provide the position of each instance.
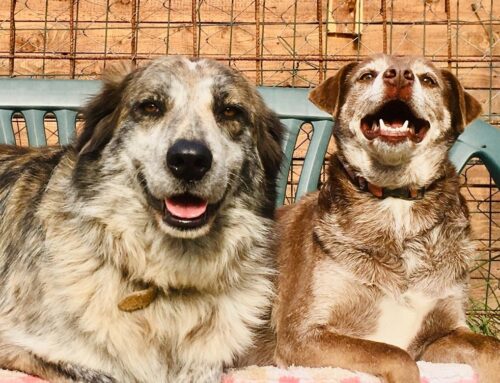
(35, 98)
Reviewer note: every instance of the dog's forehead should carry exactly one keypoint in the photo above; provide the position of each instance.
(189, 71)
(178, 74)
(380, 63)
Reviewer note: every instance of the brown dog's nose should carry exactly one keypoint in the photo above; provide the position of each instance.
(390, 74)
(399, 82)
(408, 75)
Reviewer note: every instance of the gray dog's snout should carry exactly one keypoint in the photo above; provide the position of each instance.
(189, 160)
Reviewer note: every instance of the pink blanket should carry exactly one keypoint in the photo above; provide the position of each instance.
(18, 377)
(430, 373)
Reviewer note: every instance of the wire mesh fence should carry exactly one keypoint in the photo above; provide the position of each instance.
(279, 43)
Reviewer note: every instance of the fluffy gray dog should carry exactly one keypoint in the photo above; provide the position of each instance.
(139, 254)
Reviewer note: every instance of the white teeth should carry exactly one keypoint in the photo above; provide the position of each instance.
(375, 127)
(393, 131)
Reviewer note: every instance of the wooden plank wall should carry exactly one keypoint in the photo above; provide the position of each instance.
(274, 42)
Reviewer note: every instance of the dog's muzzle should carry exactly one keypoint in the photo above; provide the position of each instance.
(188, 161)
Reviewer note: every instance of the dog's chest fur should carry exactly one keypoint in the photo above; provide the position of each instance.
(398, 260)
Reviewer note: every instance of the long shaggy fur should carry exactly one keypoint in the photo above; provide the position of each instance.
(80, 229)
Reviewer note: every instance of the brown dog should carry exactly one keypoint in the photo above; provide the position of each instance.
(374, 266)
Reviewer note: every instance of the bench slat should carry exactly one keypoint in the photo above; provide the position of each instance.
(66, 122)
(288, 145)
(6, 133)
(311, 169)
(35, 126)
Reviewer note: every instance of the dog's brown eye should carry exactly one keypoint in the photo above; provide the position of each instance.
(149, 107)
(367, 76)
(428, 80)
(230, 112)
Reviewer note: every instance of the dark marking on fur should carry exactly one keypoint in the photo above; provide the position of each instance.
(76, 373)
(101, 116)
(437, 323)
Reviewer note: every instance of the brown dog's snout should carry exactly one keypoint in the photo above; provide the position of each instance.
(399, 82)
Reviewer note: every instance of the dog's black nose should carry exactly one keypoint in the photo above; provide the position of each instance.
(189, 160)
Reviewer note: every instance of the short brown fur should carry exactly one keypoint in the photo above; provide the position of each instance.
(349, 262)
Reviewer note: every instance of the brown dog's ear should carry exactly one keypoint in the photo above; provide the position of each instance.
(472, 108)
(101, 113)
(329, 95)
(463, 107)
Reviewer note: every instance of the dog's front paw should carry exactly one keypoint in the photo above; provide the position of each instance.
(401, 368)
(463, 346)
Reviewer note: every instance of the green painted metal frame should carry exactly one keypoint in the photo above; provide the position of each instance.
(479, 140)
(35, 98)
(294, 109)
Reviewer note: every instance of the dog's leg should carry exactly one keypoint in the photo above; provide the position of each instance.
(464, 346)
(326, 349)
(17, 359)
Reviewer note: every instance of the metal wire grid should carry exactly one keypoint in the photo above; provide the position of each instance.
(275, 42)
(484, 205)
(282, 43)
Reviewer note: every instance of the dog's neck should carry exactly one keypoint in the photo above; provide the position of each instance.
(347, 187)
(405, 192)
(419, 171)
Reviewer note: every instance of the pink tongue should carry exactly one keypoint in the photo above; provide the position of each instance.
(186, 210)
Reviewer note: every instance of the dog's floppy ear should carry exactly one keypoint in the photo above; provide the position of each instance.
(101, 113)
(270, 134)
(269, 138)
(329, 95)
(463, 107)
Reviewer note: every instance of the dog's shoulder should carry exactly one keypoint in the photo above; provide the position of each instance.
(297, 253)
(27, 171)
(295, 224)
(16, 160)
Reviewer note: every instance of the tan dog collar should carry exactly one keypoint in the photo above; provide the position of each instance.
(138, 300)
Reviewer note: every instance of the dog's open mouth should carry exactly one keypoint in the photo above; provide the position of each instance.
(186, 211)
(183, 211)
(395, 122)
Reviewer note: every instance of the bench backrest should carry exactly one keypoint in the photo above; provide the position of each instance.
(35, 98)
